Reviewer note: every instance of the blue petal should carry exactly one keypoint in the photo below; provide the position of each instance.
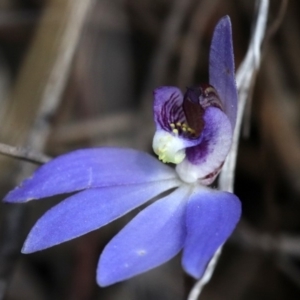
(210, 219)
(90, 168)
(153, 237)
(221, 68)
(89, 210)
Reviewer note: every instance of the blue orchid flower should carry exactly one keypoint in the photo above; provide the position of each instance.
(193, 131)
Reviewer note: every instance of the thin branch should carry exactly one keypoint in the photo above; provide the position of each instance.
(277, 22)
(270, 32)
(198, 287)
(245, 80)
(24, 154)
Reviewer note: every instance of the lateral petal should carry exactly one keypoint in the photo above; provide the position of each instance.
(89, 210)
(153, 237)
(90, 168)
(210, 219)
(204, 161)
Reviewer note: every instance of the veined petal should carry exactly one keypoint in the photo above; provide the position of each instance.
(167, 107)
(221, 68)
(210, 219)
(153, 237)
(90, 168)
(89, 210)
(173, 133)
(204, 161)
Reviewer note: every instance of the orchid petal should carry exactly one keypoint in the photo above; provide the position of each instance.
(167, 106)
(89, 210)
(203, 160)
(170, 140)
(153, 237)
(90, 168)
(210, 219)
(221, 68)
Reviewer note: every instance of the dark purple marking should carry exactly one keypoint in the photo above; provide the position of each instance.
(195, 101)
(193, 112)
(200, 152)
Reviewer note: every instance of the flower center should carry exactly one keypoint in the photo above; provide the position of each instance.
(182, 128)
(182, 122)
(167, 148)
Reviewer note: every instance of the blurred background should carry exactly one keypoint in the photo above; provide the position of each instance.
(77, 74)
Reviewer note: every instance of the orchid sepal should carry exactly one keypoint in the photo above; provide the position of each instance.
(221, 68)
(90, 168)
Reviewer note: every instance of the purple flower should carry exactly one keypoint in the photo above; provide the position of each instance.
(193, 131)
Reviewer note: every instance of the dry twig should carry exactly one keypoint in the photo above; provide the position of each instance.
(24, 154)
